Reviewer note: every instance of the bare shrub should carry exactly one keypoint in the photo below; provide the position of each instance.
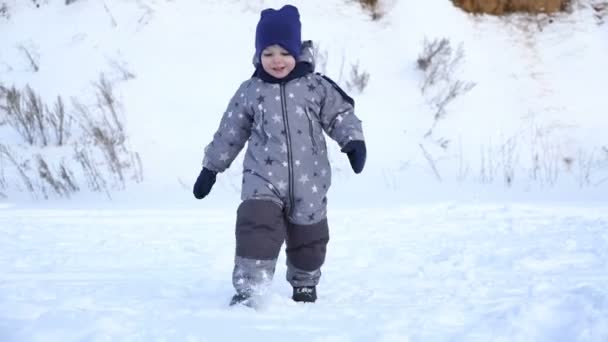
(487, 169)
(373, 6)
(3, 183)
(100, 142)
(32, 60)
(3, 94)
(22, 119)
(590, 165)
(546, 156)
(106, 102)
(440, 101)
(114, 23)
(358, 79)
(103, 135)
(34, 112)
(509, 160)
(69, 180)
(601, 10)
(122, 70)
(103, 129)
(499, 162)
(95, 180)
(535, 157)
(69, 2)
(432, 162)
(138, 171)
(60, 122)
(585, 163)
(55, 183)
(438, 61)
(31, 119)
(20, 167)
(4, 13)
(443, 143)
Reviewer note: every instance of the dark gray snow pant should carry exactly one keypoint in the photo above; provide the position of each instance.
(261, 228)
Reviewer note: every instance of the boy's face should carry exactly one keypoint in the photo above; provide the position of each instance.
(277, 61)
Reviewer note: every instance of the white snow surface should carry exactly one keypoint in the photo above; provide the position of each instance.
(455, 254)
(445, 272)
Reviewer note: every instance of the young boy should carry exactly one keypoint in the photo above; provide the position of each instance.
(282, 112)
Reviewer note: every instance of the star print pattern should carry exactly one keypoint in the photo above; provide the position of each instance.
(304, 179)
(283, 128)
(300, 111)
(282, 185)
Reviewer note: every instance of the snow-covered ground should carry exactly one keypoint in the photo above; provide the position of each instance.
(499, 235)
(444, 272)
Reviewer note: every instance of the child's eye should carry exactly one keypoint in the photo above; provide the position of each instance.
(267, 54)
(285, 53)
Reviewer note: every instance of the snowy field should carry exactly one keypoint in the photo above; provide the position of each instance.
(449, 272)
(522, 257)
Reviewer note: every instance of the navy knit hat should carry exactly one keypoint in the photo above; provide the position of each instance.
(280, 27)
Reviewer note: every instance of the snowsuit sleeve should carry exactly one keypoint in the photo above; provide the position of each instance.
(232, 134)
(338, 113)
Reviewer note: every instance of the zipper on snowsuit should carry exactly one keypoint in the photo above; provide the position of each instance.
(289, 152)
(265, 141)
(311, 129)
(261, 124)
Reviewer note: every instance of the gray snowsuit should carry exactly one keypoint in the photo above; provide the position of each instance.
(286, 171)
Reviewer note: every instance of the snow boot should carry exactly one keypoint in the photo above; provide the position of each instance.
(304, 294)
(241, 298)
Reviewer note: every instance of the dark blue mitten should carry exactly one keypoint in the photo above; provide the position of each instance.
(204, 182)
(356, 152)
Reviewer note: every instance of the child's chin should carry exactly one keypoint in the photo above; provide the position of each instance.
(279, 75)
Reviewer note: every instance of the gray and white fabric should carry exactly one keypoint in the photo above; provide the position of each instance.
(283, 125)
